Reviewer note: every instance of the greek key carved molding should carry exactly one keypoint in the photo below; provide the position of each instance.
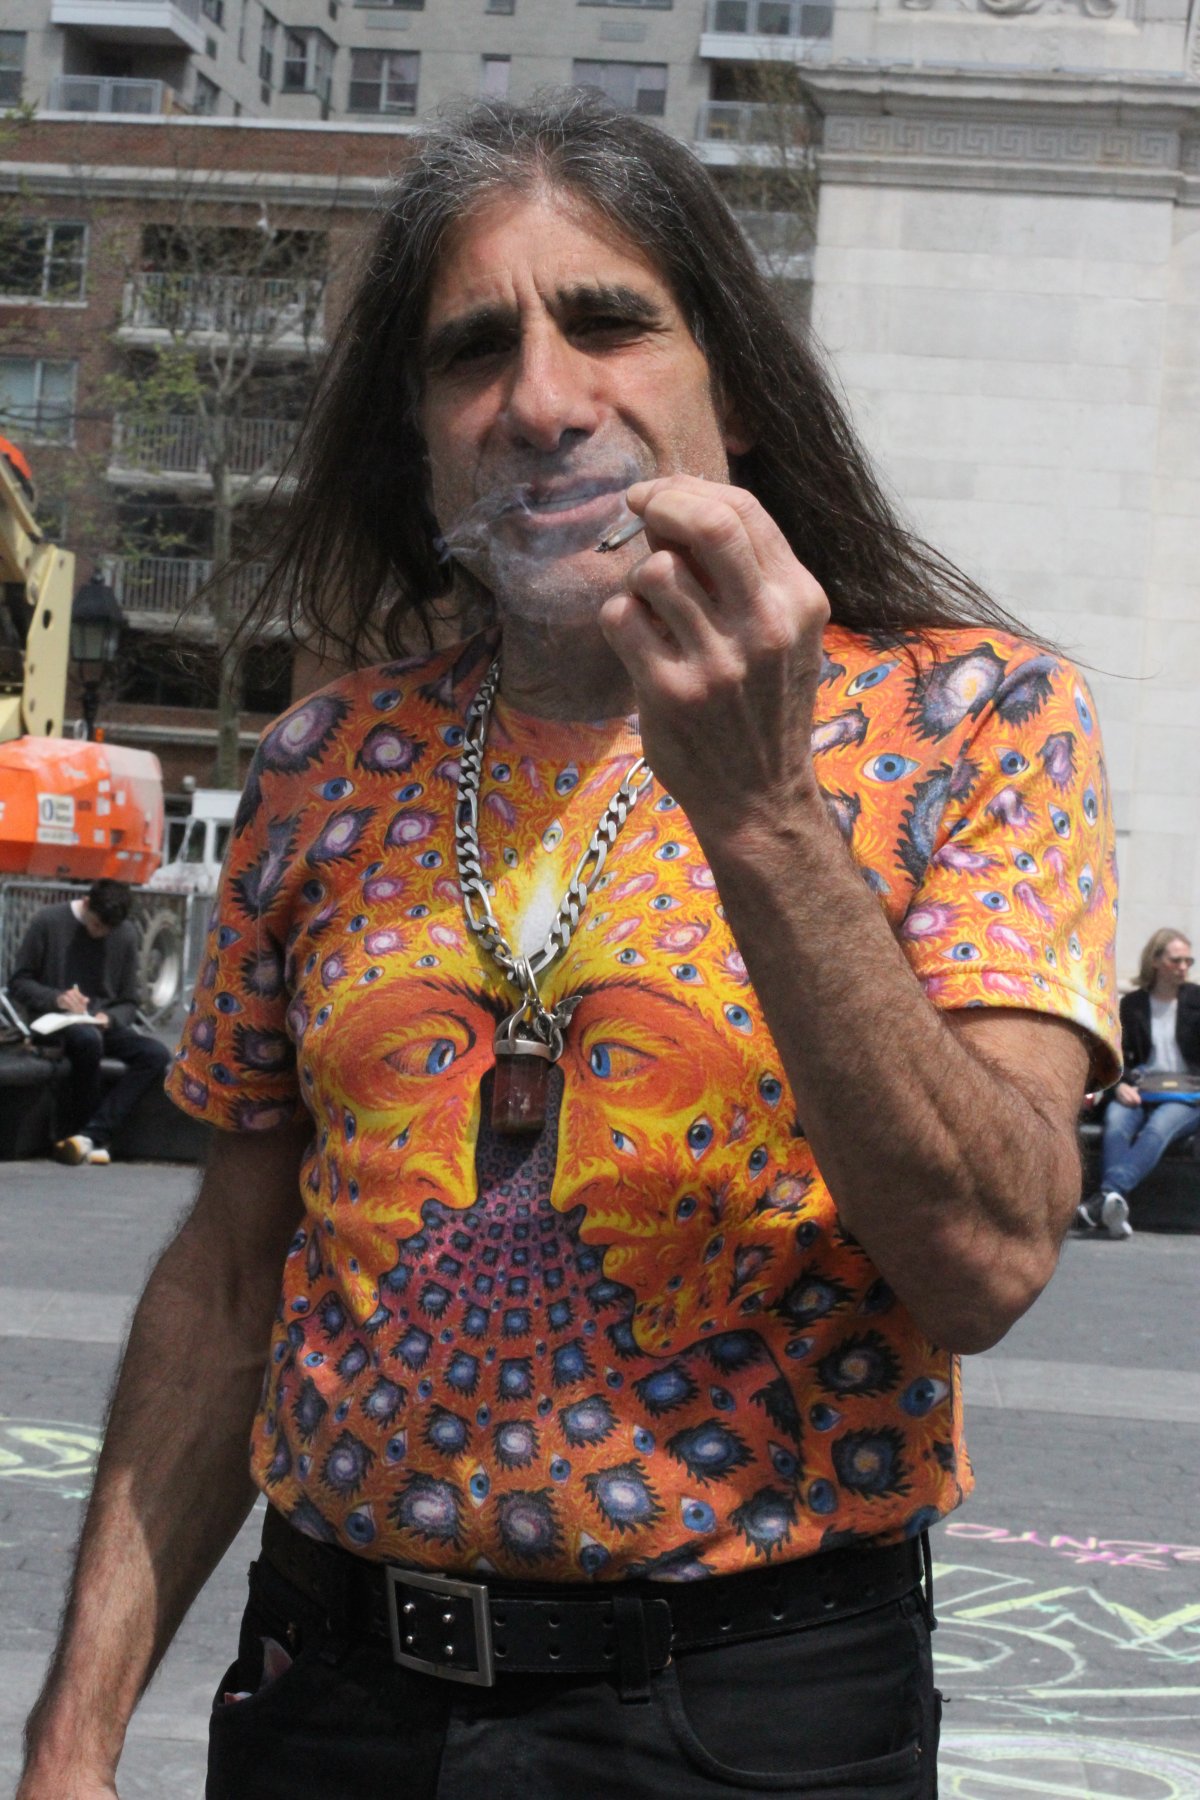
(998, 140)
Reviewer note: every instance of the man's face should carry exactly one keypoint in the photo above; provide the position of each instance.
(557, 370)
(93, 924)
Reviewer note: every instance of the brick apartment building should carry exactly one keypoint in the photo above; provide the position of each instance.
(121, 241)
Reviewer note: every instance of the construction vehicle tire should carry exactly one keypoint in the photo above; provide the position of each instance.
(160, 962)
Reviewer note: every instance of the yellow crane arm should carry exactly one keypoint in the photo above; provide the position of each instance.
(32, 699)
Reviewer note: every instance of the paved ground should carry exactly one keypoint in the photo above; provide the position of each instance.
(1069, 1647)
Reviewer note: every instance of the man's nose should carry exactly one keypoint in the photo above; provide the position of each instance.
(551, 393)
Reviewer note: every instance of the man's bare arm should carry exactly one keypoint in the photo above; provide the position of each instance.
(172, 1486)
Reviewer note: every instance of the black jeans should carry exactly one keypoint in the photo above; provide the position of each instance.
(145, 1062)
(844, 1710)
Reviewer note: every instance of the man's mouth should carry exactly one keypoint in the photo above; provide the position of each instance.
(556, 500)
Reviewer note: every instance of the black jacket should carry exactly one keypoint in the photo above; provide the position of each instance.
(1136, 1045)
(56, 952)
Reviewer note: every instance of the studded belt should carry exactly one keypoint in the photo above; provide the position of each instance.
(474, 1631)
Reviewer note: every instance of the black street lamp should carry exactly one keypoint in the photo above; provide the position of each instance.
(96, 624)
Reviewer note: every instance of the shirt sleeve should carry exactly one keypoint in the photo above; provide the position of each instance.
(235, 1067)
(29, 989)
(1017, 906)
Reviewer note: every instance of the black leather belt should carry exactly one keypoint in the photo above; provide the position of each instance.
(473, 1631)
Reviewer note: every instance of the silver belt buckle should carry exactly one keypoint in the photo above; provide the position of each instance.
(404, 1638)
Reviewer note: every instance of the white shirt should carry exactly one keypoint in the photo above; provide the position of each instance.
(1166, 1057)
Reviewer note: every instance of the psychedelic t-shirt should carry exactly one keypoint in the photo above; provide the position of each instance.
(639, 1342)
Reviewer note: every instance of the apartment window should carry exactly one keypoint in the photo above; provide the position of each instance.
(501, 6)
(37, 399)
(266, 48)
(307, 62)
(384, 81)
(241, 41)
(43, 260)
(393, 5)
(12, 66)
(637, 87)
(646, 5)
(206, 95)
(214, 10)
(493, 83)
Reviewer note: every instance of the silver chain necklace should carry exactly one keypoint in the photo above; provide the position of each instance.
(530, 1040)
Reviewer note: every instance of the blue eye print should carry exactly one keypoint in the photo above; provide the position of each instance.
(1087, 881)
(697, 1515)
(226, 1003)
(739, 1018)
(600, 1062)
(686, 972)
(510, 856)
(385, 699)
(700, 1136)
(964, 953)
(686, 1207)
(322, 1017)
(663, 902)
(1091, 809)
(758, 1160)
(432, 859)
(922, 1395)
(501, 772)
(770, 1089)
(1083, 711)
(643, 1440)
(666, 804)
(452, 735)
(312, 891)
(226, 936)
(630, 957)
(418, 912)
(357, 922)
(1025, 862)
(1012, 762)
(668, 852)
(560, 1468)
(369, 975)
(622, 1143)
(313, 1360)
(479, 1486)
(412, 791)
(440, 1057)
(823, 1418)
(1074, 948)
(889, 767)
(1061, 821)
(870, 678)
(337, 789)
(993, 900)
(425, 962)
(566, 779)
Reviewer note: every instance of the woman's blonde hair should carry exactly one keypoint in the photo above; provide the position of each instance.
(1151, 952)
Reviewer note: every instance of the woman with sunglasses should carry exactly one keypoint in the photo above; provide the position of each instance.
(1160, 1034)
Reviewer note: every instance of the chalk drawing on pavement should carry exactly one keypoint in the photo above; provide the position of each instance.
(994, 1765)
(50, 1455)
(1081, 1547)
(1047, 1653)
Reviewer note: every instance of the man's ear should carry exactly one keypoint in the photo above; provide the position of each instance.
(734, 435)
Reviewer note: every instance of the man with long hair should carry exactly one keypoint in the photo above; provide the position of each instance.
(1146, 1114)
(645, 1040)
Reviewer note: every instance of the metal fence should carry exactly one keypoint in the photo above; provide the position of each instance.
(256, 310)
(171, 935)
(177, 445)
(109, 94)
(168, 585)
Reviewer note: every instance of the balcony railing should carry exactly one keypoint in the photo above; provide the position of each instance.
(771, 18)
(111, 94)
(177, 446)
(255, 311)
(167, 586)
(752, 122)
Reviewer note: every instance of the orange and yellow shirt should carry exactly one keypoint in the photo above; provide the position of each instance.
(638, 1343)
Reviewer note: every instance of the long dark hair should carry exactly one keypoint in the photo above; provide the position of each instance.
(353, 562)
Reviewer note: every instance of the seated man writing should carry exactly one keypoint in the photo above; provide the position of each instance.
(80, 956)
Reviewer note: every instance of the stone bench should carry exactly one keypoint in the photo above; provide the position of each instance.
(31, 1088)
(1168, 1199)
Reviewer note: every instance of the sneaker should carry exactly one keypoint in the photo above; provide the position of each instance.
(1087, 1213)
(1114, 1214)
(75, 1150)
(99, 1156)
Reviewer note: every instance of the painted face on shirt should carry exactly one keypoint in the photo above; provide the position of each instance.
(558, 370)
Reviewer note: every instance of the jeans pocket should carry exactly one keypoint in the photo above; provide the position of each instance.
(841, 1709)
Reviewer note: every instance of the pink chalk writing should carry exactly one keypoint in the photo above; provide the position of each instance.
(1133, 1553)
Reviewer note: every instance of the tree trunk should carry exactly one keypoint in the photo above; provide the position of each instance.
(229, 682)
